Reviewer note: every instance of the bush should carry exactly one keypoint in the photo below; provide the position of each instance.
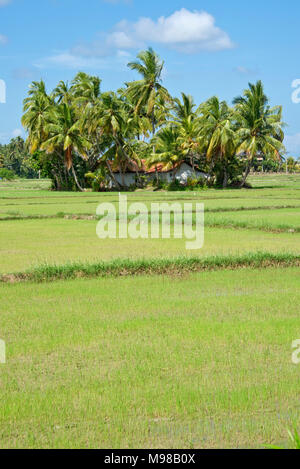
(192, 184)
(132, 187)
(7, 174)
(237, 184)
(97, 181)
(141, 182)
(160, 185)
(175, 186)
(197, 183)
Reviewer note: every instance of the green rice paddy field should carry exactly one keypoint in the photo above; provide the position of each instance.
(181, 360)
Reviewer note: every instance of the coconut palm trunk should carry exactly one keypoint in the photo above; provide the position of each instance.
(225, 180)
(122, 177)
(246, 174)
(174, 173)
(153, 122)
(192, 161)
(76, 180)
(113, 176)
(69, 163)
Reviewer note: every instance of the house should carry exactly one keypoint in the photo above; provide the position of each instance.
(129, 175)
(183, 171)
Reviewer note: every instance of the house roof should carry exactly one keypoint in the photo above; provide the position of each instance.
(133, 167)
(163, 168)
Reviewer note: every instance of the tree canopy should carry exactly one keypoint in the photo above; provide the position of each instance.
(77, 129)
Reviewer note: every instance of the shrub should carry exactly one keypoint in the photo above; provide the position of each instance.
(175, 186)
(141, 182)
(160, 185)
(97, 181)
(237, 184)
(7, 174)
(197, 183)
(132, 188)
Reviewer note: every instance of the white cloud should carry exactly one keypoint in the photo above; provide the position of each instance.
(22, 73)
(245, 70)
(115, 2)
(292, 143)
(105, 45)
(5, 137)
(68, 60)
(17, 133)
(72, 61)
(3, 39)
(121, 40)
(186, 31)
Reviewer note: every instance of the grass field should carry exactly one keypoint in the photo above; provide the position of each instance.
(272, 219)
(196, 362)
(181, 360)
(28, 243)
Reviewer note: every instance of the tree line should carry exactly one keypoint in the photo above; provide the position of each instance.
(15, 160)
(77, 130)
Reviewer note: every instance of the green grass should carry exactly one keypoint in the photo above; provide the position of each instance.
(282, 220)
(21, 208)
(25, 244)
(203, 361)
(161, 266)
(25, 185)
(275, 180)
(168, 348)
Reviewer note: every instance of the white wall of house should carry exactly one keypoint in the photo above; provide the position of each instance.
(182, 174)
(164, 177)
(186, 171)
(129, 178)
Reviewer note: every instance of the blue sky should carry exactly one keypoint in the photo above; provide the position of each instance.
(209, 47)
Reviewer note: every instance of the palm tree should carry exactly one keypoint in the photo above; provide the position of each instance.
(64, 133)
(36, 108)
(162, 112)
(63, 93)
(190, 140)
(117, 123)
(259, 127)
(36, 88)
(167, 148)
(140, 121)
(86, 89)
(189, 129)
(145, 92)
(185, 109)
(218, 134)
